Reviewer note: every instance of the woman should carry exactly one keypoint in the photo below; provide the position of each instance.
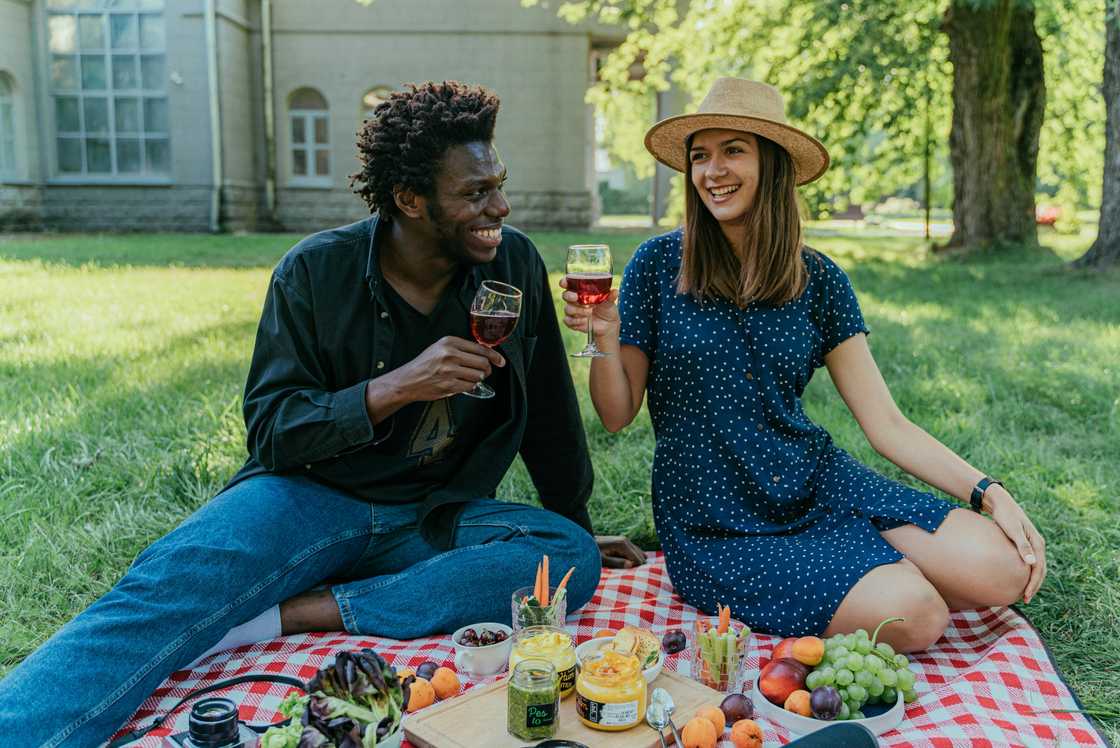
(723, 322)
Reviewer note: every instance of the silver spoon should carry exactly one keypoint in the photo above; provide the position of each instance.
(665, 703)
(656, 718)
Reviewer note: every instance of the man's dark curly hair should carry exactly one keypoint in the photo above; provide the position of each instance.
(402, 143)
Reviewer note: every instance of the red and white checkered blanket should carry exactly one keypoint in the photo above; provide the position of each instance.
(989, 682)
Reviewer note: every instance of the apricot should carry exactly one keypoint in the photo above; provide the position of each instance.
(420, 695)
(714, 715)
(699, 732)
(445, 683)
(798, 703)
(808, 650)
(746, 734)
(404, 672)
(603, 633)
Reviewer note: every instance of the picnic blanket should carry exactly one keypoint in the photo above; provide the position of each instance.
(989, 682)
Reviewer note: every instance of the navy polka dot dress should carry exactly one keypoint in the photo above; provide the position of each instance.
(755, 507)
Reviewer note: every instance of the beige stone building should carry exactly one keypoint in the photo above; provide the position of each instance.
(204, 115)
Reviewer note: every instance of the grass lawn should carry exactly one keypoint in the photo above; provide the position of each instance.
(122, 360)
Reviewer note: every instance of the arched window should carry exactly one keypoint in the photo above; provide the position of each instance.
(310, 132)
(7, 127)
(373, 97)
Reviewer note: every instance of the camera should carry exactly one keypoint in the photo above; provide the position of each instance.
(214, 724)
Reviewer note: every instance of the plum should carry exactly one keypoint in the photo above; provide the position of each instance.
(825, 702)
(736, 706)
(674, 641)
(426, 670)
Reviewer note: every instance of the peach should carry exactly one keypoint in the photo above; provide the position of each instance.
(780, 678)
(784, 648)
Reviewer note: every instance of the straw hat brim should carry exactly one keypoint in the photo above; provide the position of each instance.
(666, 139)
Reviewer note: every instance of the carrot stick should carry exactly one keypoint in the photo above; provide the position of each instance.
(537, 583)
(564, 581)
(724, 620)
(544, 580)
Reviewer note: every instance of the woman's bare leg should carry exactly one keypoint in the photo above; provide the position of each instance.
(897, 589)
(968, 559)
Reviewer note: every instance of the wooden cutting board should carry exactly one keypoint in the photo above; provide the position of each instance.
(478, 718)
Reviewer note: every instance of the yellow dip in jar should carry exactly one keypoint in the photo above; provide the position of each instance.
(610, 691)
(547, 643)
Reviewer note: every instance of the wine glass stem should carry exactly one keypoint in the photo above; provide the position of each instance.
(590, 336)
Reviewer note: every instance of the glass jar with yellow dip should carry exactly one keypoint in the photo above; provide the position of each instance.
(547, 643)
(610, 691)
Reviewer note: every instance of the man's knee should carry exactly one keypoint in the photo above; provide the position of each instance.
(588, 569)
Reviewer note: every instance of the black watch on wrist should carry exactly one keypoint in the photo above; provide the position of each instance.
(976, 500)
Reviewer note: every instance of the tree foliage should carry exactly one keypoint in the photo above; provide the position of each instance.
(865, 76)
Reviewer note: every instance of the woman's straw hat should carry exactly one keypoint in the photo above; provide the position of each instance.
(747, 106)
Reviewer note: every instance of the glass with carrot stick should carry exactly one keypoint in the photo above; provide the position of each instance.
(541, 604)
(719, 652)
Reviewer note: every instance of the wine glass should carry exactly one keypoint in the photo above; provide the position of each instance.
(589, 275)
(494, 313)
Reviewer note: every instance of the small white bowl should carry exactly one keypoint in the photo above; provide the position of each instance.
(480, 662)
(878, 724)
(591, 646)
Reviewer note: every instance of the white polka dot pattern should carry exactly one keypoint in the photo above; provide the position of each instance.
(754, 505)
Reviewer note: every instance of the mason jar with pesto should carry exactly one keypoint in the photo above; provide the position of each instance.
(547, 643)
(533, 700)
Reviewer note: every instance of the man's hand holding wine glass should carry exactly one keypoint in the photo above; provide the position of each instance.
(449, 366)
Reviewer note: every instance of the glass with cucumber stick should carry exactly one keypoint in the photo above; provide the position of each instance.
(719, 653)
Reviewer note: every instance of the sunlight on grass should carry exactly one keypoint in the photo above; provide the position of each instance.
(122, 361)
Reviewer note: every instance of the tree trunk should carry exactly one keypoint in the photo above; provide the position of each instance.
(999, 96)
(1106, 249)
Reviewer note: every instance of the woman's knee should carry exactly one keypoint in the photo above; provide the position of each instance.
(1001, 575)
(926, 618)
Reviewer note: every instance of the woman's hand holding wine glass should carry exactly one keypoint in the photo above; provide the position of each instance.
(603, 317)
(588, 297)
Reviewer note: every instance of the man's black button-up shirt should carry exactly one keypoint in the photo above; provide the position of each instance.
(326, 329)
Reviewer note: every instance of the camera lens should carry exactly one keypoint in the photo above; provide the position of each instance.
(213, 723)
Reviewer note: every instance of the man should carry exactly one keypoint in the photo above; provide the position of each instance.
(365, 504)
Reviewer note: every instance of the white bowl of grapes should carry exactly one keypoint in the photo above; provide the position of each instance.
(847, 677)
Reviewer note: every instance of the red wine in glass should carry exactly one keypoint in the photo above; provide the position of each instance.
(492, 328)
(592, 288)
(588, 272)
(494, 314)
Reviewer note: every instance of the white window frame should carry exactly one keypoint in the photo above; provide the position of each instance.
(8, 169)
(130, 49)
(308, 146)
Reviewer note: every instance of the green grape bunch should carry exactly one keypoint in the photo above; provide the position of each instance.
(864, 671)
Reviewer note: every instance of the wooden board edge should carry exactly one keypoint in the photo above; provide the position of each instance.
(457, 702)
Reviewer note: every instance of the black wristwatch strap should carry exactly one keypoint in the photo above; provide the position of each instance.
(977, 497)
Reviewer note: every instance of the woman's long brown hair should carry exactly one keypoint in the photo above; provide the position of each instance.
(770, 269)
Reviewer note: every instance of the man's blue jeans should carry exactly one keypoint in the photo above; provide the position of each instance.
(253, 546)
